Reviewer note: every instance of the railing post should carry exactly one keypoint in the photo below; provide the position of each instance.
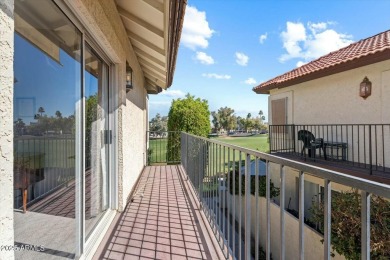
(270, 138)
(327, 218)
(201, 173)
(257, 215)
(268, 211)
(248, 207)
(282, 206)
(301, 215)
(293, 136)
(370, 147)
(147, 149)
(365, 232)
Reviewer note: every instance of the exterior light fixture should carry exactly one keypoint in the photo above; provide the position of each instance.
(365, 88)
(129, 79)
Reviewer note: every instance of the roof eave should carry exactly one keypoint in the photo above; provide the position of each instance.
(176, 20)
(348, 65)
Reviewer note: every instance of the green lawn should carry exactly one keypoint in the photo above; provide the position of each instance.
(255, 142)
(158, 148)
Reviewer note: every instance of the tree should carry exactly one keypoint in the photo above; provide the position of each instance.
(19, 126)
(240, 123)
(262, 117)
(41, 110)
(247, 122)
(216, 122)
(227, 118)
(346, 224)
(224, 118)
(188, 115)
(58, 114)
(158, 123)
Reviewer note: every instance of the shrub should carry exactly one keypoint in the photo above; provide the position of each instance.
(189, 115)
(262, 183)
(346, 224)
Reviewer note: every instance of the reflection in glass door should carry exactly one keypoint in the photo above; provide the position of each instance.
(47, 70)
(97, 138)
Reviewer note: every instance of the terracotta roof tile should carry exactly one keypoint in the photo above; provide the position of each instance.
(362, 48)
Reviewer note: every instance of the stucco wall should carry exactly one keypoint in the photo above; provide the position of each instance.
(106, 26)
(312, 187)
(6, 126)
(134, 141)
(335, 99)
(314, 248)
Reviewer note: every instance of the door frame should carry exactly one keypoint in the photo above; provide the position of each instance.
(85, 248)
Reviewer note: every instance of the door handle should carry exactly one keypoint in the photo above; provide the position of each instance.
(107, 136)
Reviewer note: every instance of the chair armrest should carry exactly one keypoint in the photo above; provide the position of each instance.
(318, 141)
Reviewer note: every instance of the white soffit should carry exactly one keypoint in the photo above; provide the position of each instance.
(146, 23)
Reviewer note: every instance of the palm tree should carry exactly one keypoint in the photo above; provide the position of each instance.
(58, 114)
(41, 110)
(261, 114)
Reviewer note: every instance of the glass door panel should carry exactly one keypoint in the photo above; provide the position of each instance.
(47, 87)
(97, 138)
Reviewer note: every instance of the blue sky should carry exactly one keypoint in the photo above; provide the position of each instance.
(43, 82)
(229, 46)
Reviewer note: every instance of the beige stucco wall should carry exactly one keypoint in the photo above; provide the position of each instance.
(314, 248)
(6, 126)
(335, 98)
(102, 19)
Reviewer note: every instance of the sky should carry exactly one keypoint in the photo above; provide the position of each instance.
(43, 82)
(229, 46)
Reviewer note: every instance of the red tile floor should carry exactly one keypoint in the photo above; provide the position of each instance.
(160, 223)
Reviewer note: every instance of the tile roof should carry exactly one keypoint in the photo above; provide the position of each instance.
(363, 48)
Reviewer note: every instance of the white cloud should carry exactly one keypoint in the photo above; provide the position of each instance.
(294, 34)
(263, 37)
(216, 76)
(300, 63)
(160, 103)
(309, 44)
(204, 58)
(316, 27)
(250, 81)
(241, 59)
(196, 30)
(173, 93)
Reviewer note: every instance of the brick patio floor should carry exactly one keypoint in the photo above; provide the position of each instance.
(160, 223)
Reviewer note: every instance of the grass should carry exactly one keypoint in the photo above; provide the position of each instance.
(159, 150)
(255, 142)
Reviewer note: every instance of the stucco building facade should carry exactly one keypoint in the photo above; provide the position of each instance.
(77, 121)
(324, 98)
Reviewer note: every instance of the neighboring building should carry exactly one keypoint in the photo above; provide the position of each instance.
(326, 90)
(330, 98)
(81, 69)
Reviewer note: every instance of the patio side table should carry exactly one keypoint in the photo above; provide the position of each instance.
(336, 150)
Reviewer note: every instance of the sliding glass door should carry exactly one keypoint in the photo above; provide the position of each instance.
(97, 138)
(61, 133)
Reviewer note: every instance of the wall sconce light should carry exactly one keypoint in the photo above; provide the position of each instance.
(129, 79)
(365, 88)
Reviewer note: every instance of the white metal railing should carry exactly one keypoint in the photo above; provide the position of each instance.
(210, 166)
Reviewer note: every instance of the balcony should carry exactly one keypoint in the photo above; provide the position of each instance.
(359, 149)
(228, 202)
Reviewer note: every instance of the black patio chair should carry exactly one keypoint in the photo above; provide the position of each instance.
(311, 143)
